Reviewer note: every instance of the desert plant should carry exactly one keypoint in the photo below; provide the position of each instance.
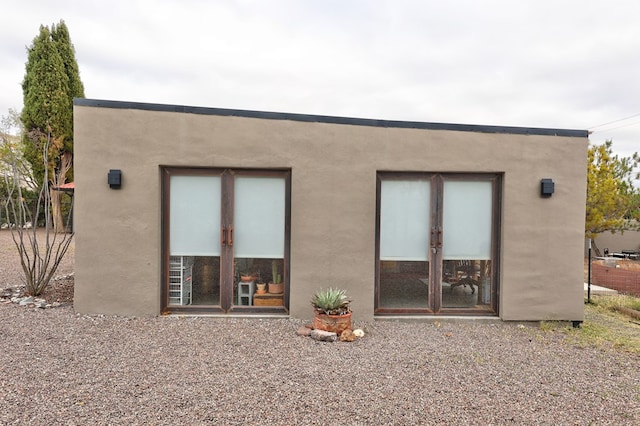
(275, 276)
(331, 301)
(39, 260)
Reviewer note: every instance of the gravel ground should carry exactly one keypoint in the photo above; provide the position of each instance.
(59, 367)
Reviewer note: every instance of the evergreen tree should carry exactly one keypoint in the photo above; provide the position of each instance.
(45, 101)
(60, 35)
(50, 83)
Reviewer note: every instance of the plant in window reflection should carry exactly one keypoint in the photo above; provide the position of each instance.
(331, 301)
(248, 276)
(275, 276)
(275, 285)
(261, 288)
(244, 269)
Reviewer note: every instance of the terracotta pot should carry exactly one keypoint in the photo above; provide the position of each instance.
(333, 323)
(261, 288)
(246, 278)
(276, 288)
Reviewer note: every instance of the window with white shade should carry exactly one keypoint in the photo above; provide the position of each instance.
(259, 216)
(466, 222)
(225, 239)
(437, 243)
(195, 215)
(404, 220)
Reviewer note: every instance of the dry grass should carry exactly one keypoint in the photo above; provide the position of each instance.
(605, 325)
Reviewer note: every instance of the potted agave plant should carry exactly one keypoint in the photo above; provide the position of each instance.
(331, 310)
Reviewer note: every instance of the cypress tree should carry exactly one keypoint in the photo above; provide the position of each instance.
(50, 83)
(62, 40)
(46, 103)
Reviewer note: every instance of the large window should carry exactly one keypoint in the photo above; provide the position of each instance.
(405, 224)
(437, 243)
(226, 239)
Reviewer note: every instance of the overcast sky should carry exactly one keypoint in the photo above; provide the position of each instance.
(571, 64)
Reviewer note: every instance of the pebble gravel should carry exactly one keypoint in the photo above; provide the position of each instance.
(60, 367)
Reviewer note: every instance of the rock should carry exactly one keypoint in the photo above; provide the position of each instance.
(303, 331)
(347, 336)
(323, 336)
(30, 302)
(358, 332)
(64, 277)
(26, 301)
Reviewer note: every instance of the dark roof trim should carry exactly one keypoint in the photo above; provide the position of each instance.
(330, 119)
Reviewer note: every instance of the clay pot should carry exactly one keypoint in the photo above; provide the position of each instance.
(333, 323)
(261, 288)
(246, 278)
(276, 288)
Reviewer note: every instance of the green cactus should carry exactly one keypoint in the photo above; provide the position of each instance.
(331, 301)
(275, 276)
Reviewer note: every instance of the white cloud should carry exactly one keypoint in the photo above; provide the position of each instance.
(569, 64)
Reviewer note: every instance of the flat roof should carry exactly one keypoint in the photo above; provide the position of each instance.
(310, 118)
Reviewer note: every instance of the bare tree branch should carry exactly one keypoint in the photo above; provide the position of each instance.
(39, 260)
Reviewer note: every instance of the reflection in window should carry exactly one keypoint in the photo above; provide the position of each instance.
(404, 244)
(466, 283)
(404, 285)
(259, 282)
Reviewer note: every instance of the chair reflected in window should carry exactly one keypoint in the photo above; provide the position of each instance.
(469, 282)
(462, 273)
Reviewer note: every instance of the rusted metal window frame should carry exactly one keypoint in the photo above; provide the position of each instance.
(226, 256)
(435, 264)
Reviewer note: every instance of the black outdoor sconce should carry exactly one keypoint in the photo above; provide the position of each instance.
(114, 178)
(546, 188)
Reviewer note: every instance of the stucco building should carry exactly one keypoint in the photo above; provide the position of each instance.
(174, 204)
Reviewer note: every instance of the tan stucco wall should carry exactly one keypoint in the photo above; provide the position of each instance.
(628, 240)
(332, 203)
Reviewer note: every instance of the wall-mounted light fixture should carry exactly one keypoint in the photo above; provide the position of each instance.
(546, 188)
(114, 178)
